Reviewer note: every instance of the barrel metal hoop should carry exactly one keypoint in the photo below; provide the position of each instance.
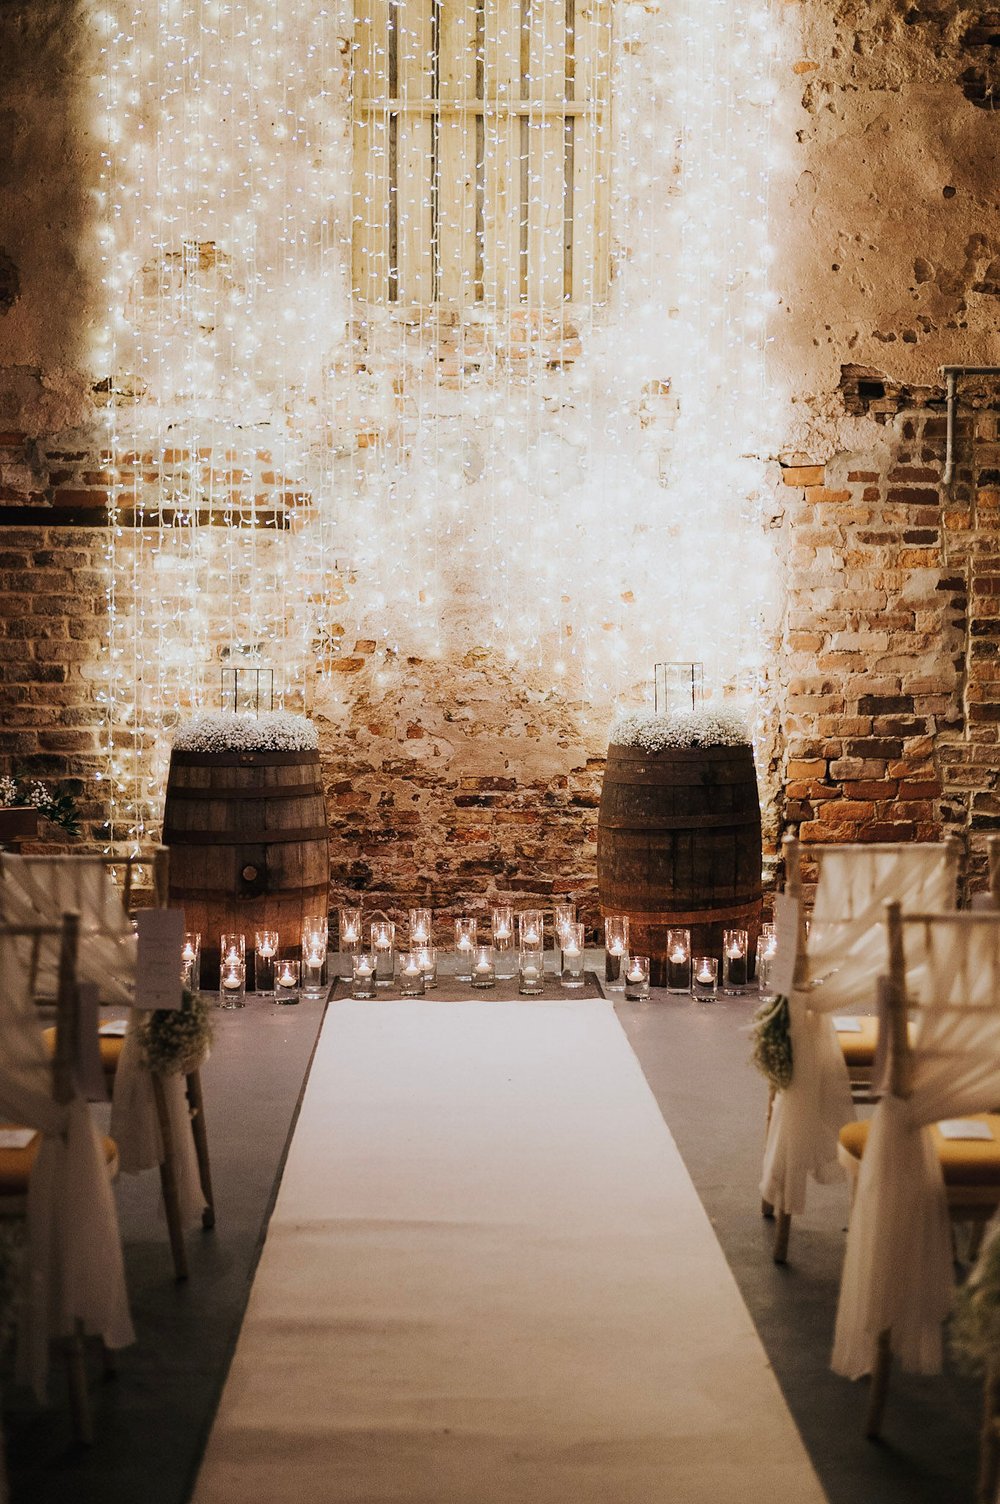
(680, 822)
(303, 758)
(181, 795)
(694, 913)
(284, 837)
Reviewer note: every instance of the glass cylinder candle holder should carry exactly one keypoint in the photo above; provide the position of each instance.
(427, 960)
(286, 980)
(615, 951)
(483, 969)
(421, 932)
(191, 961)
(767, 950)
(232, 972)
(465, 944)
(313, 969)
(349, 930)
(637, 979)
(679, 961)
(735, 962)
(571, 967)
(411, 974)
(563, 915)
(363, 983)
(531, 972)
(705, 978)
(265, 954)
(531, 929)
(383, 938)
(504, 952)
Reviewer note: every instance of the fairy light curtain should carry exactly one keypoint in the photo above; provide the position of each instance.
(446, 321)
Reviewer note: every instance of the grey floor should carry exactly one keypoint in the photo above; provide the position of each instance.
(154, 1417)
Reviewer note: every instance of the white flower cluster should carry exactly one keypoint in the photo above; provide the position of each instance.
(8, 791)
(687, 728)
(224, 731)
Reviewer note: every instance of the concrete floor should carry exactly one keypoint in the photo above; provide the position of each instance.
(154, 1418)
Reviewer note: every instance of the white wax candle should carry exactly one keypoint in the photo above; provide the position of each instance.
(531, 937)
(571, 950)
(351, 934)
(286, 976)
(463, 943)
(677, 958)
(735, 953)
(483, 966)
(616, 948)
(265, 951)
(705, 976)
(635, 974)
(502, 932)
(363, 969)
(411, 970)
(187, 954)
(231, 979)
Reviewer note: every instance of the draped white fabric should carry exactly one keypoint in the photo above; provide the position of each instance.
(74, 1260)
(845, 954)
(57, 885)
(40, 888)
(898, 1265)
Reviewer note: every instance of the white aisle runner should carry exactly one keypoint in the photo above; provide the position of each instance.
(488, 1277)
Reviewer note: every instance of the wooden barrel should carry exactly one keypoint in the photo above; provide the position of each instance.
(679, 846)
(247, 833)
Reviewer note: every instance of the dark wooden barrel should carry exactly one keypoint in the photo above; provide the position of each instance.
(247, 833)
(679, 846)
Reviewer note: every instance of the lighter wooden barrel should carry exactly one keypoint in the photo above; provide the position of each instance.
(247, 833)
(679, 846)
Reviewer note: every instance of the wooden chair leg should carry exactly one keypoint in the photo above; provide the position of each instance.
(879, 1387)
(782, 1227)
(168, 1183)
(197, 1105)
(989, 1440)
(79, 1399)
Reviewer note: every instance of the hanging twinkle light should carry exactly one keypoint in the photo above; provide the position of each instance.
(412, 358)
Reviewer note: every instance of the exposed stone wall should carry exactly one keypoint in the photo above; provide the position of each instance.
(447, 779)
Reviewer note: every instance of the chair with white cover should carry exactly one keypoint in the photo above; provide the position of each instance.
(837, 966)
(157, 1121)
(911, 1180)
(60, 1179)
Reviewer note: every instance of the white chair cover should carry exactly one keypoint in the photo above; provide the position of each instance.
(845, 954)
(61, 884)
(74, 1268)
(42, 888)
(898, 1265)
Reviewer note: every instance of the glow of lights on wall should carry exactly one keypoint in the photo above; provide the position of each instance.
(577, 488)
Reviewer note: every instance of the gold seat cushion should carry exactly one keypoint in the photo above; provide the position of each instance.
(963, 1161)
(859, 1047)
(16, 1164)
(110, 1046)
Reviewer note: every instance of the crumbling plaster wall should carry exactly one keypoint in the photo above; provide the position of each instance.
(888, 242)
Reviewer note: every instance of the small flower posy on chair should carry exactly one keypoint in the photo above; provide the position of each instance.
(55, 804)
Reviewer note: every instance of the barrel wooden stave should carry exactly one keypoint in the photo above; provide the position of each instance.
(679, 846)
(248, 844)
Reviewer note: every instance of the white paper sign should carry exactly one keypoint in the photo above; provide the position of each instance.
(847, 1025)
(115, 1028)
(16, 1138)
(786, 929)
(161, 938)
(964, 1128)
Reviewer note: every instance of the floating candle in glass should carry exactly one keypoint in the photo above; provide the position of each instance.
(286, 980)
(735, 969)
(679, 961)
(363, 983)
(349, 930)
(427, 959)
(637, 979)
(483, 969)
(420, 928)
(191, 962)
(232, 971)
(465, 940)
(530, 973)
(265, 951)
(383, 943)
(504, 955)
(572, 941)
(411, 975)
(767, 950)
(531, 929)
(615, 951)
(705, 977)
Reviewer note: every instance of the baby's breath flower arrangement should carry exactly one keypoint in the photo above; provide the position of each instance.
(229, 731)
(772, 1041)
(55, 804)
(176, 1040)
(704, 727)
(975, 1322)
